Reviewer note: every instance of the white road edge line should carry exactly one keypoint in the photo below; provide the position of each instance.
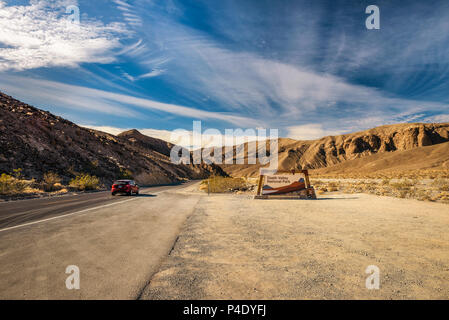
(71, 214)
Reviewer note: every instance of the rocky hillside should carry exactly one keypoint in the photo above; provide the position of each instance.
(332, 150)
(38, 142)
(427, 157)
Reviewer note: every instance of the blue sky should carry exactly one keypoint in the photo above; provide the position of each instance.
(307, 68)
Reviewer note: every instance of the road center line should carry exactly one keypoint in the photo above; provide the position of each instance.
(71, 214)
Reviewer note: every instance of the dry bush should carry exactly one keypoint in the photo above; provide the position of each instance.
(224, 184)
(403, 185)
(51, 182)
(84, 182)
(422, 195)
(333, 186)
(441, 184)
(316, 182)
(10, 185)
(403, 194)
(442, 196)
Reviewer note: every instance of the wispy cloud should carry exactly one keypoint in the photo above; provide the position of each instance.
(39, 35)
(310, 131)
(310, 70)
(76, 97)
(129, 14)
(283, 92)
(151, 74)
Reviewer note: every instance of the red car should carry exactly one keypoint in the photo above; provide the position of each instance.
(125, 186)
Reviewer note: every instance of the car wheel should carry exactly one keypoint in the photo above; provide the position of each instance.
(129, 193)
(137, 193)
(113, 194)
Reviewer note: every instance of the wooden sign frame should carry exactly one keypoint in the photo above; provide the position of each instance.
(310, 191)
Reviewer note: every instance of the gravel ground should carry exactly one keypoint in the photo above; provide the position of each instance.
(233, 247)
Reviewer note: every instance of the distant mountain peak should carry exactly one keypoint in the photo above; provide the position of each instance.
(132, 132)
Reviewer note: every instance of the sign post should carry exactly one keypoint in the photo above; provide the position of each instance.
(293, 184)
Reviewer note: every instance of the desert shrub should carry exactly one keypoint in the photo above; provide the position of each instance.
(333, 186)
(224, 184)
(125, 174)
(17, 173)
(51, 181)
(85, 182)
(422, 195)
(10, 185)
(6, 182)
(403, 194)
(441, 184)
(444, 196)
(403, 185)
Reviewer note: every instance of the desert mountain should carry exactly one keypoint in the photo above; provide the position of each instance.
(38, 142)
(145, 143)
(427, 157)
(381, 146)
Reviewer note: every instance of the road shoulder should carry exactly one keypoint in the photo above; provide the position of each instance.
(234, 247)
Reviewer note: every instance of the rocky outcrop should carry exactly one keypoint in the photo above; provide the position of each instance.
(335, 149)
(38, 142)
(332, 150)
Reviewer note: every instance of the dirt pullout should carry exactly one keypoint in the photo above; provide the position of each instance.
(234, 247)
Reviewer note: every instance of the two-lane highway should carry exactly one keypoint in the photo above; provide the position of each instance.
(24, 212)
(117, 243)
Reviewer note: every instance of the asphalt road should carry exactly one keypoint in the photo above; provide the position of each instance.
(117, 243)
(17, 213)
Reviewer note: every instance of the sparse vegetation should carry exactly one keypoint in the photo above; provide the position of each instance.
(425, 186)
(225, 184)
(85, 182)
(51, 182)
(10, 185)
(14, 185)
(441, 184)
(125, 174)
(333, 186)
(405, 185)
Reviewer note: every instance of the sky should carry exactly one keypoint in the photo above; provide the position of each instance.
(307, 68)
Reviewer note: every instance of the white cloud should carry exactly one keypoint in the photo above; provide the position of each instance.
(128, 12)
(40, 35)
(77, 97)
(151, 74)
(438, 118)
(283, 86)
(269, 89)
(310, 131)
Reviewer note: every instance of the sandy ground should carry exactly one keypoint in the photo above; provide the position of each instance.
(233, 247)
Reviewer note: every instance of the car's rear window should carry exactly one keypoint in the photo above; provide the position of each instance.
(121, 182)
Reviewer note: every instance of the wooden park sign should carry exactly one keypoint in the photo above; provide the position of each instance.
(293, 184)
